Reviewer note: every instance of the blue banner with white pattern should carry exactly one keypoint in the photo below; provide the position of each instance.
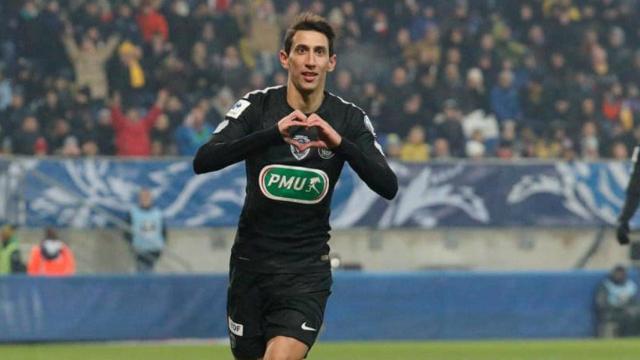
(96, 192)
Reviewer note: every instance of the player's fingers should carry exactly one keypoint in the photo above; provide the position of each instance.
(298, 115)
(315, 117)
(315, 122)
(294, 143)
(313, 144)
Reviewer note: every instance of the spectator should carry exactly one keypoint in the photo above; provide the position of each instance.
(87, 16)
(173, 75)
(617, 305)
(619, 151)
(59, 136)
(181, 26)
(161, 139)
(233, 69)
(193, 133)
(264, 36)
(504, 99)
(441, 149)
(589, 142)
(5, 91)
(415, 149)
(148, 233)
(474, 96)
(29, 140)
(52, 257)
(203, 80)
(151, 22)
(89, 62)
(10, 258)
(393, 146)
(412, 114)
(128, 76)
(125, 25)
(51, 51)
(450, 128)
(475, 148)
(133, 131)
(104, 136)
(344, 87)
(51, 109)
(27, 32)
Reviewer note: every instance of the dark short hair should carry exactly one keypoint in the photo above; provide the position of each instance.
(309, 21)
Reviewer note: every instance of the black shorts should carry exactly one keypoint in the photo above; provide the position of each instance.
(262, 306)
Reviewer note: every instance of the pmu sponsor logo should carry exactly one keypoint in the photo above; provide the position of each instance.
(294, 184)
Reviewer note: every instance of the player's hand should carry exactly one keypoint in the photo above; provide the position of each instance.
(296, 119)
(328, 137)
(622, 233)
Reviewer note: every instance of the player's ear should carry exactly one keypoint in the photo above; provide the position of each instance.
(284, 59)
(332, 62)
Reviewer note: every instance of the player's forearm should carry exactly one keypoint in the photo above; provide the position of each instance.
(373, 170)
(632, 198)
(216, 154)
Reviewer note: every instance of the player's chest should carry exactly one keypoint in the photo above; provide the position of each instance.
(285, 153)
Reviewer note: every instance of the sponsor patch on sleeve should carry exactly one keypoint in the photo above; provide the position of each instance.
(235, 328)
(238, 108)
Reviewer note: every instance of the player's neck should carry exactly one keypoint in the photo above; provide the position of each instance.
(306, 102)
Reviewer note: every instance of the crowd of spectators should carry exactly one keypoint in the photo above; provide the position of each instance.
(439, 79)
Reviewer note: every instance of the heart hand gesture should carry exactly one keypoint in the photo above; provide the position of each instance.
(328, 137)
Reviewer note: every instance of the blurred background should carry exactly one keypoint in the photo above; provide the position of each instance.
(510, 125)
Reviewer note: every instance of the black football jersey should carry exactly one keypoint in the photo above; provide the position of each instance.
(284, 224)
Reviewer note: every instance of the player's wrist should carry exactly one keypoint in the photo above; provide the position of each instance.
(336, 143)
(276, 133)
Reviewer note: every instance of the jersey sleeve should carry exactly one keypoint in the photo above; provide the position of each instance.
(361, 150)
(633, 190)
(239, 135)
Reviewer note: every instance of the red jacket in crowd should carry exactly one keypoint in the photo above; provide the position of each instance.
(133, 137)
(152, 22)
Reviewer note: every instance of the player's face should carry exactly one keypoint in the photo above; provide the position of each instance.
(308, 61)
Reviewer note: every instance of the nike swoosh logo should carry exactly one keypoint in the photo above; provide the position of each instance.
(308, 328)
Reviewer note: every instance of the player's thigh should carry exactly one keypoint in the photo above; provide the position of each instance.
(298, 315)
(285, 348)
(245, 316)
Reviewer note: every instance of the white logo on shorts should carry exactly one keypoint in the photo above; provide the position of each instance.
(235, 328)
(308, 328)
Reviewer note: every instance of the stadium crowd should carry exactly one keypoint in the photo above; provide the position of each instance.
(439, 79)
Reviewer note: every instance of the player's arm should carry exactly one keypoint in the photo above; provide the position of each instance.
(238, 136)
(360, 149)
(631, 201)
(365, 156)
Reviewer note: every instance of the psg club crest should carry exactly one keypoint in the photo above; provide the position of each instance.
(299, 155)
